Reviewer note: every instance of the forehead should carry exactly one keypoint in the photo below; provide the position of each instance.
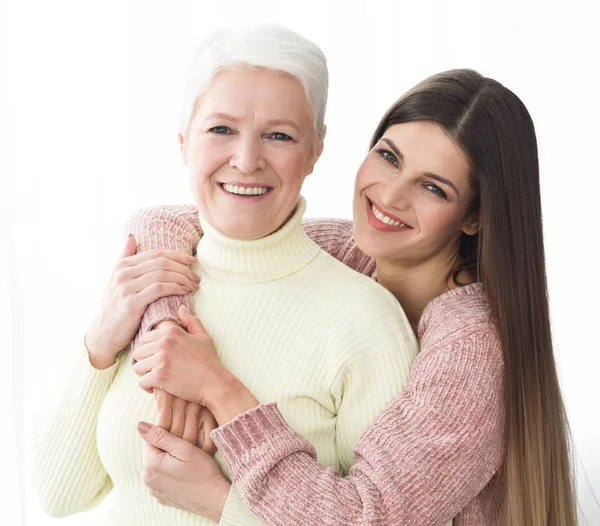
(426, 147)
(256, 94)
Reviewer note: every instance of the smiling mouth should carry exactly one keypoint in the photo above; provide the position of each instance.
(245, 191)
(385, 219)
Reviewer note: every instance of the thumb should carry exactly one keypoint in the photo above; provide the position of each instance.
(130, 247)
(190, 323)
(163, 440)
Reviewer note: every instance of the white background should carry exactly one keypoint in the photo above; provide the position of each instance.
(88, 104)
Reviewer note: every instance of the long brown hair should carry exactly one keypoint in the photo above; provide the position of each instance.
(493, 127)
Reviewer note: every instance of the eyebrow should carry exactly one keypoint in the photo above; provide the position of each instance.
(274, 122)
(439, 178)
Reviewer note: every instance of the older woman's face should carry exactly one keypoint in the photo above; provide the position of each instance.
(248, 150)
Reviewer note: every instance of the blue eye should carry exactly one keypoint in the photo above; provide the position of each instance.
(388, 156)
(278, 136)
(436, 190)
(220, 130)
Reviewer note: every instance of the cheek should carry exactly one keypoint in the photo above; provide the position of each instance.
(366, 175)
(290, 165)
(437, 221)
(204, 158)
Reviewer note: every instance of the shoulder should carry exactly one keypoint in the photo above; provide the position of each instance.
(456, 314)
(458, 332)
(336, 237)
(357, 311)
(347, 287)
(331, 227)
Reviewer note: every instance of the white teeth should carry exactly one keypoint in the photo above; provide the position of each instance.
(241, 190)
(385, 219)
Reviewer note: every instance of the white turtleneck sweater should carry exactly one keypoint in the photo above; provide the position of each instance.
(330, 346)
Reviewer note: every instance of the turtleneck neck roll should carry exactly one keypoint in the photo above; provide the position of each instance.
(272, 257)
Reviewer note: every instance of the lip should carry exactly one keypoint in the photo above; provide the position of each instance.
(379, 225)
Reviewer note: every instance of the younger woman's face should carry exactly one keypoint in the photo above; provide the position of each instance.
(412, 195)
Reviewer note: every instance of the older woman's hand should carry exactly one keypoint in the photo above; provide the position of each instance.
(181, 475)
(182, 361)
(186, 365)
(137, 281)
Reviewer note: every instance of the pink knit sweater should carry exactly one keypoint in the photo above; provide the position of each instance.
(432, 455)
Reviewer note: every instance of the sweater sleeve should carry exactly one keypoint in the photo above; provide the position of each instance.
(423, 459)
(159, 228)
(69, 475)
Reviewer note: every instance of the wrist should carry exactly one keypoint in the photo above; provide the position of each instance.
(221, 492)
(229, 398)
(98, 358)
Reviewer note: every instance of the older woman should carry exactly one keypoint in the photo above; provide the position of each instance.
(293, 323)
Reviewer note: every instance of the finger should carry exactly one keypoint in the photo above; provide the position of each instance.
(163, 440)
(192, 423)
(136, 283)
(174, 255)
(130, 247)
(191, 323)
(147, 345)
(157, 290)
(142, 367)
(164, 404)
(178, 420)
(150, 454)
(148, 382)
(208, 424)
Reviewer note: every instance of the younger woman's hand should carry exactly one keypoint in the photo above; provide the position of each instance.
(137, 281)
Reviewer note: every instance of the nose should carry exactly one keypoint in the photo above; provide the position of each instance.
(395, 193)
(247, 155)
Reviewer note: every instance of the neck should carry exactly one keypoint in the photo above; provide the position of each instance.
(414, 286)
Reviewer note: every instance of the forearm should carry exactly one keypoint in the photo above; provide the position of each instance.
(229, 397)
(69, 474)
(268, 462)
(165, 228)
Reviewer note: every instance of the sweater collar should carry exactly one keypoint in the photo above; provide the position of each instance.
(267, 259)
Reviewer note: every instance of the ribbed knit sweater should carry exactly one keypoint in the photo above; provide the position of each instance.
(331, 346)
(433, 454)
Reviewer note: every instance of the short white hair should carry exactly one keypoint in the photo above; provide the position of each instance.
(268, 46)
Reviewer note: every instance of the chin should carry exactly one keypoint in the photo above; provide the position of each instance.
(244, 232)
(373, 245)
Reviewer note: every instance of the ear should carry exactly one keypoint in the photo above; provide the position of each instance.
(471, 225)
(182, 148)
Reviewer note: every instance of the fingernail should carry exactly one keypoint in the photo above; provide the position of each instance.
(144, 427)
(130, 235)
